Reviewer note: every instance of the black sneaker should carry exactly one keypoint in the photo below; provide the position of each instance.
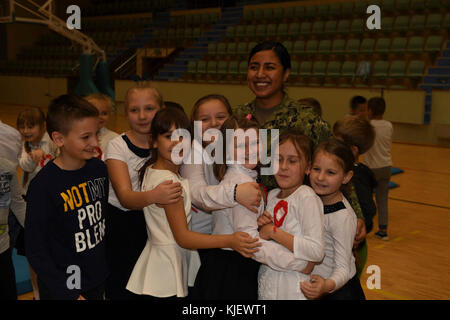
(381, 235)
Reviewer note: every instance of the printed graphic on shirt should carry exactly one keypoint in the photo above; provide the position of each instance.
(282, 208)
(84, 200)
(5, 197)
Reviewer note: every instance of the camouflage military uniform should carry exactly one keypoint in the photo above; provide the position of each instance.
(292, 114)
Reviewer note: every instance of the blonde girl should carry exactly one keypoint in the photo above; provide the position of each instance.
(125, 155)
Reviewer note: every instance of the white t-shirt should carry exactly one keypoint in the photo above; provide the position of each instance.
(379, 155)
(118, 149)
(104, 137)
(339, 262)
(10, 143)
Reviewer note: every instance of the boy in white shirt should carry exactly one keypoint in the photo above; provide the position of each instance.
(378, 158)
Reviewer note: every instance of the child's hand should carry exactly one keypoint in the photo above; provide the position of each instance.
(314, 288)
(265, 232)
(244, 244)
(360, 232)
(249, 195)
(167, 192)
(37, 155)
(265, 218)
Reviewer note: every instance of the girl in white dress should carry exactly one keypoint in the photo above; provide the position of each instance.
(293, 218)
(168, 264)
(335, 278)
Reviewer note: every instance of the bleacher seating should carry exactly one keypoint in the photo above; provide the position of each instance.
(327, 41)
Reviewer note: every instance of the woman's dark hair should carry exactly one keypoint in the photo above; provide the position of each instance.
(233, 122)
(162, 122)
(278, 48)
(343, 154)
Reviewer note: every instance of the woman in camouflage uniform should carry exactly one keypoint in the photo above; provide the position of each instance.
(269, 66)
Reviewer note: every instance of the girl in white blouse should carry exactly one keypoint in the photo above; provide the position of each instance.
(37, 150)
(169, 262)
(293, 218)
(335, 278)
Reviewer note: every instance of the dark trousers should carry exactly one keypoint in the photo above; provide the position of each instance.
(125, 239)
(97, 293)
(8, 290)
(352, 290)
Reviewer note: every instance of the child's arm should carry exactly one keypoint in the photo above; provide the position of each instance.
(311, 245)
(38, 216)
(361, 226)
(221, 196)
(164, 193)
(239, 241)
(18, 205)
(342, 231)
(26, 161)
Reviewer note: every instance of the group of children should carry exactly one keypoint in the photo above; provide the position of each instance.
(113, 216)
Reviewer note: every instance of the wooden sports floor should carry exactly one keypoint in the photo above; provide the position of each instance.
(414, 264)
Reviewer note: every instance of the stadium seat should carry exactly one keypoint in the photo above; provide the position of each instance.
(415, 45)
(289, 45)
(330, 27)
(399, 44)
(383, 45)
(402, 5)
(282, 30)
(397, 69)
(358, 26)
(433, 44)
(317, 27)
(334, 69)
(347, 9)
(401, 24)
(434, 21)
(367, 45)
(311, 46)
(271, 31)
(325, 46)
(338, 46)
(417, 23)
(353, 46)
(299, 47)
(343, 26)
(418, 5)
(294, 29)
(305, 28)
(416, 69)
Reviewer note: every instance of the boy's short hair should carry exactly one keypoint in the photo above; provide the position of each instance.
(101, 97)
(355, 131)
(66, 108)
(377, 106)
(356, 101)
(312, 103)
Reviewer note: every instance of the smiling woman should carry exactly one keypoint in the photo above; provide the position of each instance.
(269, 68)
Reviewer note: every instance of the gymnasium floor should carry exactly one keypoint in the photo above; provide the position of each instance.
(414, 263)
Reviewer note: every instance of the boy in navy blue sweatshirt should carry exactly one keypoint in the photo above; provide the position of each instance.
(66, 201)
